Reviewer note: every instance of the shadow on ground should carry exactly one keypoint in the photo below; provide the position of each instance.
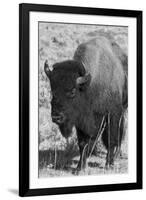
(57, 159)
(13, 191)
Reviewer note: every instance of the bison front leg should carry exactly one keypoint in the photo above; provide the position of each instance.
(83, 148)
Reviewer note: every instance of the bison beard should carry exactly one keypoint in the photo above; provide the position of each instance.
(91, 86)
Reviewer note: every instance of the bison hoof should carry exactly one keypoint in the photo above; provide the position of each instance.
(75, 172)
(78, 169)
(109, 166)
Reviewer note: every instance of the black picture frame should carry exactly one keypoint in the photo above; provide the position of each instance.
(24, 124)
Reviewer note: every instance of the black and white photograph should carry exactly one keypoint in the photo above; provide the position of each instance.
(80, 100)
(83, 99)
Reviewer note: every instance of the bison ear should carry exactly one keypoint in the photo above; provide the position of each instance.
(47, 69)
(83, 81)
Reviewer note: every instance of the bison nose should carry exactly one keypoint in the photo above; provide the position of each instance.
(58, 118)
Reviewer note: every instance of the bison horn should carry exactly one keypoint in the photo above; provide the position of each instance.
(84, 80)
(81, 68)
(47, 69)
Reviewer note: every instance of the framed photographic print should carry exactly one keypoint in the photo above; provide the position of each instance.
(80, 99)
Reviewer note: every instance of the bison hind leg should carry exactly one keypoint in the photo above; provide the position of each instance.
(112, 137)
(121, 135)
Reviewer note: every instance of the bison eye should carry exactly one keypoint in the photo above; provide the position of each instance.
(72, 93)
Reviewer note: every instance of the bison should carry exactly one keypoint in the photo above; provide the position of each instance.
(87, 89)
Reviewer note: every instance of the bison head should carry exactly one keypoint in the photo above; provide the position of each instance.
(69, 83)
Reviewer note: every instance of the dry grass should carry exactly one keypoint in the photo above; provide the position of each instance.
(66, 163)
(58, 157)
